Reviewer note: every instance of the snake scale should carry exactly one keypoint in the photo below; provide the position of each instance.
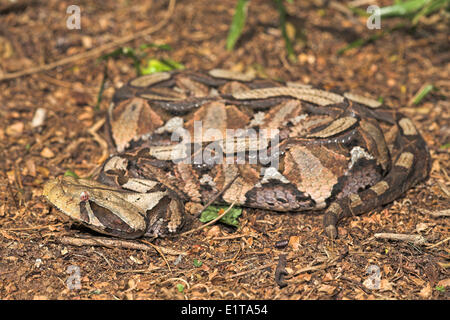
(189, 136)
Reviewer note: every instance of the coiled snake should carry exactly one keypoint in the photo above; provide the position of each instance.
(188, 136)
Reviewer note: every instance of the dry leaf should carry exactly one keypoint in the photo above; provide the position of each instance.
(303, 277)
(328, 277)
(43, 171)
(136, 260)
(444, 283)
(421, 227)
(425, 293)
(31, 167)
(213, 232)
(15, 130)
(385, 285)
(294, 242)
(47, 153)
(419, 282)
(327, 289)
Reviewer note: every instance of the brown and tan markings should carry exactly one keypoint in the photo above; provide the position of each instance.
(190, 136)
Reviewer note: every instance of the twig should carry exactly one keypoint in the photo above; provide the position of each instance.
(115, 243)
(32, 228)
(9, 187)
(437, 214)
(94, 52)
(103, 144)
(360, 286)
(234, 236)
(103, 256)
(415, 239)
(160, 253)
(150, 269)
(211, 222)
(64, 84)
(268, 265)
(315, 268)
(438, 243)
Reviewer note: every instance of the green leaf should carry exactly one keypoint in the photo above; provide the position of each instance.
(287, 42)
(445, 146)
(422, 93)
(362, 42)
(359, 12)
(173, 64)
(70, 173)
(212, 212)
(414, 9)
(237, 24)
(154, 45)
(197, 263)
(402, 9)
(96, 291)
(120, 52)
(102, 88)
(440, 288)
(180, 287)
(155, 65)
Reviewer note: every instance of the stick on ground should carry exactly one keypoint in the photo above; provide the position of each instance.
(416, 239)
(116, 243)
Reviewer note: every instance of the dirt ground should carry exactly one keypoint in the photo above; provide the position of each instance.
(218, 262)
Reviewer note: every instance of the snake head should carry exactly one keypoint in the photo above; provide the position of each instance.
(114, 211)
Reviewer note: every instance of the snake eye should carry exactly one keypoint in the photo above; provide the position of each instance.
(84, 196)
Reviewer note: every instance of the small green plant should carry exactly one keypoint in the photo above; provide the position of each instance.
(180, 287)
(410, 10)
(440, 288)
(141, 62)
(413, 10)
(212, 212)
(238, 23)
(70, 173)
(426, 89)
(197, 263)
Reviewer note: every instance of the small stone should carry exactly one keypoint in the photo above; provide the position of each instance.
(38, 118)
(15, 130)
(38, 263)
(47, 153)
